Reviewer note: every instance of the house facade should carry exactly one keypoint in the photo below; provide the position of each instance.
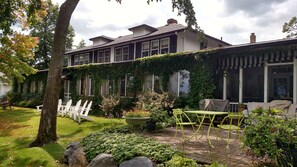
(145, 41)
(174, 59)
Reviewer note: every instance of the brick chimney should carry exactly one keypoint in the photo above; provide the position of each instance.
(252, 38)
(171, 21)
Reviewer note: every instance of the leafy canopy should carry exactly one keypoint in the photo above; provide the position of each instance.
(17, 48)
(291, 28)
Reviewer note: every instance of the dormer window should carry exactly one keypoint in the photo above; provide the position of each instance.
(155, 47)
(145, 49)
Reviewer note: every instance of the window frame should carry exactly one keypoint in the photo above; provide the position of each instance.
(123, 58)
(152, 49)
(115, 54)
(162, 47)
(142, 49)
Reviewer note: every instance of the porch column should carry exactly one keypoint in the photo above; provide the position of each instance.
(265, 83)
(224, 87)
(240, 84)
(295, 82)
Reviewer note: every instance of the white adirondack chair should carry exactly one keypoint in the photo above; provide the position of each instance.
(59, 108)
(74, 110)
(84, 113)
(80, 110)
(39, 108)
(66, 108)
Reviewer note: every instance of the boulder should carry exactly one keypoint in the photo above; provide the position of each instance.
(71, 147)
(103, 160)
(137, 162)
(78, 158)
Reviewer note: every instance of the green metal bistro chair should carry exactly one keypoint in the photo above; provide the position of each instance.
(232, 122)
(180, 116)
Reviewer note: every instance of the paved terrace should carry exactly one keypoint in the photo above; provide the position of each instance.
(201, 151)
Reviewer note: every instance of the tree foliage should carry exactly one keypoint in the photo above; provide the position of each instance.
(290, 28)
(44, 30)
(81, 44)
(16, 48)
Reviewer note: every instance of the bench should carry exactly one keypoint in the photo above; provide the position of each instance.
(5, 104)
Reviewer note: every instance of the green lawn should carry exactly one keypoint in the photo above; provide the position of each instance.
(19, 127)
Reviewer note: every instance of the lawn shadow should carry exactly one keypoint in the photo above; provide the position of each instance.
(55, 150)
(71, 134)
(27, 162)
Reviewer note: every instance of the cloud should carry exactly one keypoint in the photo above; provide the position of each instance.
(232, 29)
(251, 8)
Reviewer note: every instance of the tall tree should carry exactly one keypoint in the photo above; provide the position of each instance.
(44, 30)
(291, 28)
(17, 48)
(81, 44)
(48, 120)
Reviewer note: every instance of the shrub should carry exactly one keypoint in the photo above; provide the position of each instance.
(125, 146)
(267, 134)
(179, 161)
(108, 105)
(119, 129)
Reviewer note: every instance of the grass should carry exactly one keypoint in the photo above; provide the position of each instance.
(19, 127)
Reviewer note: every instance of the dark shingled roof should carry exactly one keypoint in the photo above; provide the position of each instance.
(129, 38)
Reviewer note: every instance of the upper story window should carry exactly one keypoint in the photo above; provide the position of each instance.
(155, 47)
(145, 49)
(107, 56)
(122, 53)
(81, 59)
(103, 56)
(164, 45)
(118, 54)
(125, 53)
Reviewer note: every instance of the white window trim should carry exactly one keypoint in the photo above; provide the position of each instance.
(151, 46)
(123, 52)
(142, 44)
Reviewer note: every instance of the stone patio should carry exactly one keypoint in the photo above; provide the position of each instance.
(201, 151)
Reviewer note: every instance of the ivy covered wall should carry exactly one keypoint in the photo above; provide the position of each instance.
(198, 63)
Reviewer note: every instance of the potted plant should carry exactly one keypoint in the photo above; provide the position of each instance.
(136, 117)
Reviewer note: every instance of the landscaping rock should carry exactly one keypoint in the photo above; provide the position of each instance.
(78, 158)
(71, 147)
(103, 160)
(137, 162)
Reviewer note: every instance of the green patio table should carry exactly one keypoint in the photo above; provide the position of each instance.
(205, 114)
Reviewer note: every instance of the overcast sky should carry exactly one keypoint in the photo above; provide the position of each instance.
(233, 20)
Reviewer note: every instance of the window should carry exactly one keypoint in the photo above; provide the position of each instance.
(91, 87)
(100, 57)
(126, 53)
(105, 88)
(148, 83)
(155, 47)
(40, 86)
(118, 54)
(145, 49)
(81, 59)
(184, 85)
(107, 56)
(80, 83)
(32, 87)
(103, 56)
(164, 45)
(123, 86)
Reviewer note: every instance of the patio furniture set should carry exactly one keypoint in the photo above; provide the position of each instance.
(216, 111)
(76, 112)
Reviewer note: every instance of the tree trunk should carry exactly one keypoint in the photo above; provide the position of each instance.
(48, 120)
